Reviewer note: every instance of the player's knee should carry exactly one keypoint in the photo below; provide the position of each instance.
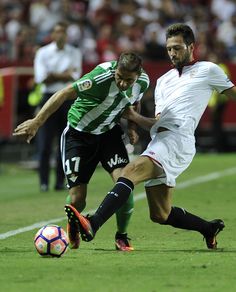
(159, 217)
(133, 170)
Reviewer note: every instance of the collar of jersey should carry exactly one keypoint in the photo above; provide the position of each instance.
(188, 64)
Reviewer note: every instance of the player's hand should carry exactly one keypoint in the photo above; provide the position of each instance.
(26, 130)
(128, 113)
(133, 136)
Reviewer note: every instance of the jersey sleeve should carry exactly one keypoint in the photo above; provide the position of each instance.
(218, 80)
(143, 85)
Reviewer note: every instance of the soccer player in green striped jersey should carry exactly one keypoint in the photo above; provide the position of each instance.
(93, 134)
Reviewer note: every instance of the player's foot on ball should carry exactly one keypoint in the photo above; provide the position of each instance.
(217, 225)
(86, 230)
(122, 242)
(73, 234)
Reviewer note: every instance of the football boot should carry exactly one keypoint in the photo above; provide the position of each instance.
(217, 225)
(122, 242)
(85, 228)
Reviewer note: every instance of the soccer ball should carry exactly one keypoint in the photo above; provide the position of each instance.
(51, 241)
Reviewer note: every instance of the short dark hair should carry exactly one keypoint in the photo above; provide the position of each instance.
(130, 62)
(62, 24)
(181, 29)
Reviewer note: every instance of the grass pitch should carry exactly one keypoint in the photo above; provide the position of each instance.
(165, 259)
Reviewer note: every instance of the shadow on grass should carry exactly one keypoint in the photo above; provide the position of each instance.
(219, 250)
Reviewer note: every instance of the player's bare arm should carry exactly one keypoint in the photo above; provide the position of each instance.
(231, 92)
(132, 126)
(144, 122)
(29, 128)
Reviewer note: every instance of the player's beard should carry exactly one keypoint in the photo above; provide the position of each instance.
(184, 61)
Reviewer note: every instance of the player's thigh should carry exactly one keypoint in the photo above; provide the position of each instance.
(159, 199)
(141, 169)
(79, 156)
(112, 152)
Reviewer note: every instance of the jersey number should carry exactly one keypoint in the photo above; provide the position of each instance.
(72, 165)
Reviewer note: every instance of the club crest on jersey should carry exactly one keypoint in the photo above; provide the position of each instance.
(84, 85)
(73, 177)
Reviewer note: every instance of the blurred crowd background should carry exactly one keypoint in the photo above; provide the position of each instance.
(104, 28)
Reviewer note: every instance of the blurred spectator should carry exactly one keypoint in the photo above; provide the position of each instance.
(158, 27)
(14, 24)
(153, 50)
(106, 13)
(223, 9)
(101, 29)
(227, 31)
(106, 44)
(170, 11)
(232, 51)
(44, 14)
(24, 45)
(128, 13)
(56, 65)
(3, 38)
(147, 12)
(132, 38)
(132, 23)
(202, 46)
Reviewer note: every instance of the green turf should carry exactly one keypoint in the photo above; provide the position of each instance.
(165, 259)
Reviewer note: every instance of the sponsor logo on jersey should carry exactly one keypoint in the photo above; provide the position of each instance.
(84, 85)
(117, 160)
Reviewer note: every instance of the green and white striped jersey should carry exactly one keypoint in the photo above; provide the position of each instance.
(100, 103)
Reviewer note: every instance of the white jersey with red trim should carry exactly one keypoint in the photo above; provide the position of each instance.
(182, 97)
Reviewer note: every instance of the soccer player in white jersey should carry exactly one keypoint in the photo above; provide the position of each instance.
(181, 96)
(93, 133)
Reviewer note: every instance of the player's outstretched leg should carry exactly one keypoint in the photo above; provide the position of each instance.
(85, 228)
(217, 225)
(180, 218)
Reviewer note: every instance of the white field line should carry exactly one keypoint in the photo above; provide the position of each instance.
(183, 185)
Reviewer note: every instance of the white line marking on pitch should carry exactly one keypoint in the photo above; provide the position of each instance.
(183, 185)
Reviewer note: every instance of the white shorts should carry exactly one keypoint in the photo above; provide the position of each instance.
(173, 152)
